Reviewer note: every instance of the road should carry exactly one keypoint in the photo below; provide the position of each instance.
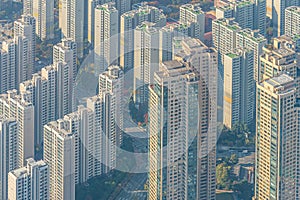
(133, 189)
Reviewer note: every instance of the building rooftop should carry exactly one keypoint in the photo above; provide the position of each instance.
(254, 35)
(228, 23)
(113, 72)
(279, 84)
(174, 27)
(175, 68)
(147, 27)
(141, 9)
(237, 52)
(19, 172)
(230, 4)
(187, 47)
(66, 44)
(288, 42)
(280, 80)
(60, 127)
(109, 7)
(279, 56)
(26, 170)
(195, 9)
(12, 95)
(294, 9)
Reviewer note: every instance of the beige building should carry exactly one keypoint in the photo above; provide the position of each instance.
(277, 58)
(177, 146)
(276, 171)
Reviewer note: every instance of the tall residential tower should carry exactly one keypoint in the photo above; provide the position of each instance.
(277, 138)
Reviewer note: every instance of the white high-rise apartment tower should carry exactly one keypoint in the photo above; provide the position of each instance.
(43, 12)
(106, 36)
(59, 154)
(91, 5)
(166, 39)
(276, 10)
(91, 19)
(182, 125)
(8, 151)
(112, 82)
(292, 21)
(128, 22)
(29, 182)
(252, 40)
(224, 33)
(259, 17)
(239, 88)
(71, 22)
(27, 7)
(108, 113)
(66, 51)
(49, 92)
(103, 107)
(13, 106)
(193, 16)
(146, 60)
(94, 132)
(123, 6)
(22, 62)
(26, 27)
(247, 13)
(7, 66)
(88, 143)
(242, 11)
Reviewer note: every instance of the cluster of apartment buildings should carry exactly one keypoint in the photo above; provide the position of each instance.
(187, 86)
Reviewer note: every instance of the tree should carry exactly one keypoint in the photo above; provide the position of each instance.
(233, 160)
(223, 172)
